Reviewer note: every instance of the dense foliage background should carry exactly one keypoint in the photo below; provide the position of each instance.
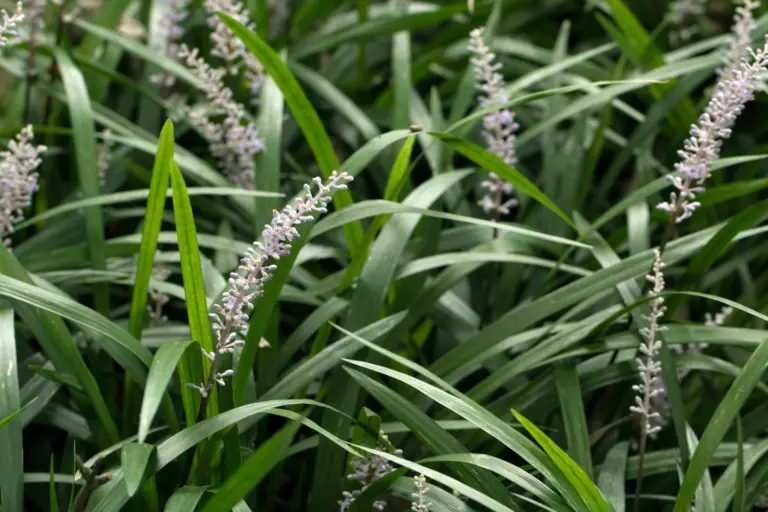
(415, 330)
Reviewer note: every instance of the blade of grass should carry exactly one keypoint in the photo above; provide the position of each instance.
(574, 417)
(575, 475)
(12, 460)
(253, 470)
(493, 163)
(84, 135)
(194, 291)
(719, 424)
(163, 365)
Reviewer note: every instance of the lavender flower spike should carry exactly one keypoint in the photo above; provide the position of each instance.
(18, 179)
(232, 143)
(228, 47)
(743, 24)
(702, 148)
(230, 320)
(10, 22)
(499, 127)
(649, 368)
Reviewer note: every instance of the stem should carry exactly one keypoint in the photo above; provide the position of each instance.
(93, 480)
(641, 461)
(31, 75)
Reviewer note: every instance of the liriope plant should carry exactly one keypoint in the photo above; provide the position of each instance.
(387, 342)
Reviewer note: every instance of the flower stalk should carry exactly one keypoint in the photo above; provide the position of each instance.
(649, 368)
(230, 318)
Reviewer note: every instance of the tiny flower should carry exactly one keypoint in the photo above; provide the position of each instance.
(499, 126)
(10, 22)
(648, 367)
(719, 318)
(18, 179)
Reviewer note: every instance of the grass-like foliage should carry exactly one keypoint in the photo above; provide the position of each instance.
(383, 255)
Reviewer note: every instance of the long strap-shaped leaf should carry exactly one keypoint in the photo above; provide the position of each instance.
(304, 114)
(192, 369)
(12, 458)
(84, 137)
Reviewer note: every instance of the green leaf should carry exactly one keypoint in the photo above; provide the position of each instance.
(252, 471)
(738, 494)
(5, 421)
(53, 335)
(377, 207)
(194, 290)
(341, 103)
(185, 499)
(493, 163)
(123, 347)
(134, 459)
(719, 424)
(718, 244)
(575, 475)
(268, 161)
(432, 435)
(152, 223)
(160, 372)
(84, 135)
(611, 479)
(53, 500)
(574, 417)
(12, 460)
(304, 114)
(491, 425)
(115, 496)
(446, 481)
(641, 49)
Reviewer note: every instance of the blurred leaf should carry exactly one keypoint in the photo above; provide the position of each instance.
(574, 417)
(253, 470)
(84, 136)
(185, 499)
(493, 163)
(611, 479)
(134, 459)
(164, 363)
(12, 460)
